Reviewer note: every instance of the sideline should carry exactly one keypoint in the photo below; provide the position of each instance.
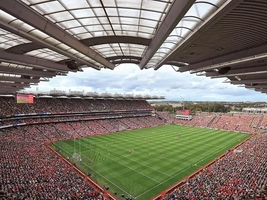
(86, 178)
(179, 184)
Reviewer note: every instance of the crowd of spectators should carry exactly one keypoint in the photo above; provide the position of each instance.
(200, 121)
(240, 174)
(245, 123)
(28, 170)
(9, 106)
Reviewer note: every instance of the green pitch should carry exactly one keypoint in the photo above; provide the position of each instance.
(144, 162)
(21, 101)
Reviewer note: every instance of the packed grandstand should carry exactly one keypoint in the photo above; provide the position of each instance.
(30, 170)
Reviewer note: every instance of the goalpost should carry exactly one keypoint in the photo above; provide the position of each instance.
(76, 156)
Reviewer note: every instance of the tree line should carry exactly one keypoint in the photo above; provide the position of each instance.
(222, 107)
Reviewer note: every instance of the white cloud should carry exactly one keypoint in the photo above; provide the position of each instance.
(128, 78)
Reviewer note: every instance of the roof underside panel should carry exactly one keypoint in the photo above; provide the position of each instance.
(40, 39)
(194, 17)
(104, 18)
(241, 25)
(86, 19)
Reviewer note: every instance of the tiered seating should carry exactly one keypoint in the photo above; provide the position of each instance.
(151, 121)
(220, 122)
(263, 123)
(95, 127)
(107, 124)
(241, 174)
(200, 121)
(129, 123)
(8, 105)
(166, 117)
(81, 128)
(256, 120)
(30, 171)
(240, 123)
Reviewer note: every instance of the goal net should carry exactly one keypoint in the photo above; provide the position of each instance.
(76, 157)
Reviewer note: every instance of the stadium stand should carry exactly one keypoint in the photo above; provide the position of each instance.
(28, 168)
(30, 171)
(9, 105)
(43, 39)
(240, 174)
(244, 123)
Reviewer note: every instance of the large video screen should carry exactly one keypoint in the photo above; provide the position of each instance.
(25, 98)
(183, 112)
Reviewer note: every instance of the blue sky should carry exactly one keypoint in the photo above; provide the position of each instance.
(129, 79)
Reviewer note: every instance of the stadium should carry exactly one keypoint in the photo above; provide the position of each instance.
(87, 145)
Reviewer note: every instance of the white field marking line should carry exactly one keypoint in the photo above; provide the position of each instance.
(178, 173)
(169, 159)
(156, 170)
(107, 179)
(207, 150)
(138, 163)
(180, 142)
(133, 169)
(184, 134)
(102, 176)
(195, 142)
(142, 164)
(130, 153)
(220, 140)
(172, 156)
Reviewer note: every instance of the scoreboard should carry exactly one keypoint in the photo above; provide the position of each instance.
(25, 98)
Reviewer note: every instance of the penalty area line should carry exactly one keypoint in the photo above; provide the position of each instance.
(182, 171)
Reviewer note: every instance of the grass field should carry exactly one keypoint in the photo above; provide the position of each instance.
(22, 101)
(144, 162)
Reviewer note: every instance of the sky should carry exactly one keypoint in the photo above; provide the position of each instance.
(129, 79)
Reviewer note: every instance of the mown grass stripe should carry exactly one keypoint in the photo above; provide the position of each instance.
(158, 156)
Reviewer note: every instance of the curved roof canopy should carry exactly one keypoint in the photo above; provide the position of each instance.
(40, 39)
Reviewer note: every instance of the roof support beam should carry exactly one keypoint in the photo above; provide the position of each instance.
(173, 17)
(248, 81)
(20, 85)
(40, 43)
(239, 72)
(8, 90)
(256, 86)
(17, 79)
(261, 90)
(225, 8)
(226, 60)
(27, 72)
(115, 39)
(31, 61)
(29, 16)
(24, 48)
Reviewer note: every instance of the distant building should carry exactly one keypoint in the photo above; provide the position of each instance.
(255, 110)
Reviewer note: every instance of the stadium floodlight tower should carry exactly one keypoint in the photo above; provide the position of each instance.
(182, 101)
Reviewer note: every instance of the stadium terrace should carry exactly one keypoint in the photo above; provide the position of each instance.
(78, 145)
(33, 164)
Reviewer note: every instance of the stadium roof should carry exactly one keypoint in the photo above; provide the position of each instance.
(40, 39)
(89, 95)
